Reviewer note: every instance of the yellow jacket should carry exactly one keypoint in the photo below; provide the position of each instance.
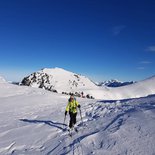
(72, 106)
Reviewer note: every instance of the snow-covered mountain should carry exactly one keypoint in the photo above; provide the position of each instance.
(32, 123)
(114, 83)
(60, 80)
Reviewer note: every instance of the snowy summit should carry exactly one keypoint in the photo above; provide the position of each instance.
(59, 80)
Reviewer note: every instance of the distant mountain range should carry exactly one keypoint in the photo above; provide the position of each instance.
(114, 83)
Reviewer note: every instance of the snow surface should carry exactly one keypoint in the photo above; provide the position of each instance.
(31, 123)
(65, 81)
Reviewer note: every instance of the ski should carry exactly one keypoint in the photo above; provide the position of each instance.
(70, 132)
(76, 130)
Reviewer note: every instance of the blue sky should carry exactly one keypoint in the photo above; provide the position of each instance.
(101, 39)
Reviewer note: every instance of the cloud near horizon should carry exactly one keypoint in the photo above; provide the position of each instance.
(145, 62)
(141, 68)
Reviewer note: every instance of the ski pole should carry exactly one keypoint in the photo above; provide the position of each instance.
(81, 115)
(64, 121)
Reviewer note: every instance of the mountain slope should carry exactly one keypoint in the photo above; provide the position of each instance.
(135, 90)
(58, 79)
(138, 89)
(31, 123)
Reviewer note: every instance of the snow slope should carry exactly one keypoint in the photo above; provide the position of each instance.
(31, 123)
(135, 90)
(64, 81)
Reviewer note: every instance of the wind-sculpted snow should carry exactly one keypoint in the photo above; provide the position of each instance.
(32, 123)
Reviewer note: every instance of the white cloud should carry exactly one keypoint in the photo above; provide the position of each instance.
(140, 68)
(145, 62)
(151, 48)
(117, 29)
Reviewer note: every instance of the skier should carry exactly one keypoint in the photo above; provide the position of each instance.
(72, 109)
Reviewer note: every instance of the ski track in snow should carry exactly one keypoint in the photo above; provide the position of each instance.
(32, 124)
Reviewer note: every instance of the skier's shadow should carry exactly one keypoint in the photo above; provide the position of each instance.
(50, 123)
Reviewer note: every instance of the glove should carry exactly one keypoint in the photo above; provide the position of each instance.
(79, 106)
(65, 113)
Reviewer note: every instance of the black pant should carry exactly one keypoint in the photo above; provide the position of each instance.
(72, 119)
